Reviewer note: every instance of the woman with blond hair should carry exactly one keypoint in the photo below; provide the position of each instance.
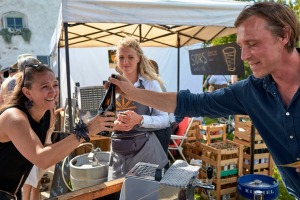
(136, 121)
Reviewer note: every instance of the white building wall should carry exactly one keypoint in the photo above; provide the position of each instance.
(41, 18)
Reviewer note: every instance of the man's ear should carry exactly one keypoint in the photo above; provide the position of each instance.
(287, 34)
(26, 92)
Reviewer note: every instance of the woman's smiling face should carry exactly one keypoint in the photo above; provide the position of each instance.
(45, 90)
(128, 60)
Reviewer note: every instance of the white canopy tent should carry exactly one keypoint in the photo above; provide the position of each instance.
(93, 23)
(155, 23)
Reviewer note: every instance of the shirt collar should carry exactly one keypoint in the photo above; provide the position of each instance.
(268, 83)
(140, 78)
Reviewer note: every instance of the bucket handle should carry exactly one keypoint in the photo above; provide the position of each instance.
(64, 161)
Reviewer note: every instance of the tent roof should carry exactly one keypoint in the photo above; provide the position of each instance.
(94, 23)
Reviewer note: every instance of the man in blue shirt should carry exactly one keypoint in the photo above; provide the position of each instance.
(268, 34)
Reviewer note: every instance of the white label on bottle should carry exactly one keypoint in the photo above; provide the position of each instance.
(225, 167)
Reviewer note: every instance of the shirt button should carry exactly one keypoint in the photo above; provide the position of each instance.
(291, 137)
(287, 114)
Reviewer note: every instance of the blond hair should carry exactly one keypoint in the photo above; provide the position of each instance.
(145, 67)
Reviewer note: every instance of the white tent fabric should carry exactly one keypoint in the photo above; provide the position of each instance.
(94, 23)
(176, 12)
(90, 67)
(155, 23)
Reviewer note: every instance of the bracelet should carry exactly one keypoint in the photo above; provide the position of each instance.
(81, 131)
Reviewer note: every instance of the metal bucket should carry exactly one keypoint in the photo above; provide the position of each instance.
(249, 185)
(84, 174)
(83, 183)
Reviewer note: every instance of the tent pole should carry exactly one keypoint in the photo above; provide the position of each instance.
(140, 30)
(68, 77)
(252, 144)
(58, 72)
(178, 61)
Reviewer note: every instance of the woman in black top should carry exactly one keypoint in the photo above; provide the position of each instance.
(24, 122)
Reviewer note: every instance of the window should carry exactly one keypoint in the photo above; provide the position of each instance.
(44, 59)
(14, 20)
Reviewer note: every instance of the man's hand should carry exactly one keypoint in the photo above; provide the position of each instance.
(124, 86)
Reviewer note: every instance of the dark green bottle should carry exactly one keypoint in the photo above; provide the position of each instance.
(108, 103)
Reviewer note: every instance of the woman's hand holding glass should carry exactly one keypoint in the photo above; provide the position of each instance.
(127, 120)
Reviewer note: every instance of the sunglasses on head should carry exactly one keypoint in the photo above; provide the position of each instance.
(35, 66)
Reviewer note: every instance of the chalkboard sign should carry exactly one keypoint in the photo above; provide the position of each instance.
(217, 60)
(58, 186)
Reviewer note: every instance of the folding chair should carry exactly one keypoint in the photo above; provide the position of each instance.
(180, 136)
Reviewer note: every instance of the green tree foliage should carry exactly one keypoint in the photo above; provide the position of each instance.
(283, 193)
(295, 5)
(231, 39)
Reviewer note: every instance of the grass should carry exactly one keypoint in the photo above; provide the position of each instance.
(283, 193)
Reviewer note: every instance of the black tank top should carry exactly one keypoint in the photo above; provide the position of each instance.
(14, 167)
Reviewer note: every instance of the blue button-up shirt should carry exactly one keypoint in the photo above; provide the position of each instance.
(278, 125)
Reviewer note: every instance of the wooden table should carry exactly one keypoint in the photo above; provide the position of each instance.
(93, 192)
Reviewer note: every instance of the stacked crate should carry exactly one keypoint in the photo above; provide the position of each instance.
(190, 143)
(211, 133)
(226, 159)
(262, 162)
(192, 132)
(203, 134)
(193, 151)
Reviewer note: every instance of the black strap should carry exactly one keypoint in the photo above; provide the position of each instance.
(142, 86)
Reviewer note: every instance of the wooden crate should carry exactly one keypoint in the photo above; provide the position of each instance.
(192, 132)
(193, 151)
(263, 162)
(220, 155)
(189, 149)
(211, 133)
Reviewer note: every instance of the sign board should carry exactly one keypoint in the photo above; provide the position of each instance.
(217, 60)
(112, 58)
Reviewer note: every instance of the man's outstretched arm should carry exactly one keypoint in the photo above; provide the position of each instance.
(164, 101)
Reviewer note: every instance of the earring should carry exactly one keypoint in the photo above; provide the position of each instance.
(28, 104)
